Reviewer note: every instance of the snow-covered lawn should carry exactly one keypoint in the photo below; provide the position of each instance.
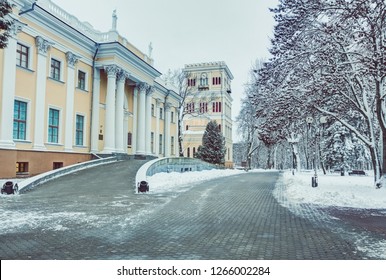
(334, 190)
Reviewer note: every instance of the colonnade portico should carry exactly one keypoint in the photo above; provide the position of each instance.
(114, 137)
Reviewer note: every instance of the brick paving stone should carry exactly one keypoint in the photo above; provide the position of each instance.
(94, 214)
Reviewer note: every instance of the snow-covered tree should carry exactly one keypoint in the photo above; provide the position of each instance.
(328, 59)
(179, 79)
(213, 148)
(5, 22)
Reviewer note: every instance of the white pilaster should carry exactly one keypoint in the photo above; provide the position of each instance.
(109, 146)
(135, 118)
(149, 93)
(95, 112)
(42, 47)
(156, 136)
(8, 89)
(72, 60)
(167, 129)
(119, 113)
(141, 136)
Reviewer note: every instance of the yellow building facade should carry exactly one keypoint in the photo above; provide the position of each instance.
(69, 92)
(208, 99)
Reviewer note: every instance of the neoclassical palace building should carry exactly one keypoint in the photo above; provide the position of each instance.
(209, 99)
(68, 92)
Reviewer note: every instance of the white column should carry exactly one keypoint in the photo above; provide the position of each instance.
(141, 136)
(8, 89)
(135, 117)
(126, 116)
(119, 113)
(109, 146)
(149, 93)
(167, 130)
(72, 60)
(95, 112)
(156, 136)
(42, 47)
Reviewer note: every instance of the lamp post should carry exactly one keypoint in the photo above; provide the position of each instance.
(322, 121)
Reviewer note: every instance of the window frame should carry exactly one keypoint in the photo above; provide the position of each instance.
(80, 131)
(53, 126)
(79, 85)
(20, 54)
(54, 68)
(25, 167)
(20, 121)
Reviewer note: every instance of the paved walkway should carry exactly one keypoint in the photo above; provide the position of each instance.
(94, 214)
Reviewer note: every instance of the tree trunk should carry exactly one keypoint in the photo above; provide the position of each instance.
(180, 149)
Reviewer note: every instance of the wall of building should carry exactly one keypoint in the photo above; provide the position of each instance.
(217, 90)
(75, 49)
(38, 162)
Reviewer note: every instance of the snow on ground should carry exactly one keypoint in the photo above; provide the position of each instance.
(178, 182)
(334, 190)
(296, 193)
(294, 190)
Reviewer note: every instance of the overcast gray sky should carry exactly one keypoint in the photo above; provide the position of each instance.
(183, 32)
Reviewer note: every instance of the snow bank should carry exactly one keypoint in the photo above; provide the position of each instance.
(334, 190)
(178, 182)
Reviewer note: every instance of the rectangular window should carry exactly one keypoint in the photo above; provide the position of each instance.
(53, 126)
(81, 80)
(203, 107)
(216, 107)
(57, 165)
(55, 69)
(161, 113)
(20, 120)
(79, 130)
(22, 53)
(216, 81)
(21, 167)
(190, 107)
(160, 144)
(129, 139)
(172, 117)
(191, 82)
(153, 110)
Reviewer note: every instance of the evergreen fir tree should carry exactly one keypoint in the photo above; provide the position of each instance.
(213, 145)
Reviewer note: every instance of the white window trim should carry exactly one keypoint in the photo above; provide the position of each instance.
(60, 143)
(84, 130)
(61, 68)
(86, 78)
(31, 51)
(28, 121)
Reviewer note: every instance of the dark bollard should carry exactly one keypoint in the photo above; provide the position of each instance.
(314, 182)
(9, 188)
